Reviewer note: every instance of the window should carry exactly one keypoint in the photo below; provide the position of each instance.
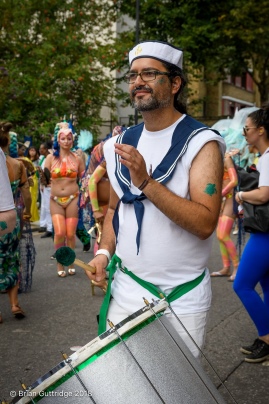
(244, 81)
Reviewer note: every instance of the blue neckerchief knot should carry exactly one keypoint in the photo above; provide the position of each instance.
(183, 133)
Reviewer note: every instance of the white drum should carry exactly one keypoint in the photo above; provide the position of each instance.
(149, 365)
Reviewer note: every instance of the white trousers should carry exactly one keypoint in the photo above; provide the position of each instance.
(195, 324)
(45, 216)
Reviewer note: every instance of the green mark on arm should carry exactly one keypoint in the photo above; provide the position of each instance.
(210, 189)
(3, 225)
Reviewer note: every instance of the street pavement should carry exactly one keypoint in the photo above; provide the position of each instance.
(61, 314)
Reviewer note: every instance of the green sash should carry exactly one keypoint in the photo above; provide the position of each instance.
(176, 293)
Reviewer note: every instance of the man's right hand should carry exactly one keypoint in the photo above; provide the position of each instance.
(99, 263)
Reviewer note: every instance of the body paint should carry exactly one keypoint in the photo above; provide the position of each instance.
(210, 189)
(3, 225)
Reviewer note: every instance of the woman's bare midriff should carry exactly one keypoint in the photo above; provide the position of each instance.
(64, 187)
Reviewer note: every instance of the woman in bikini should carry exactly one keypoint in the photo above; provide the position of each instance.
(64, 171)
(226, 220)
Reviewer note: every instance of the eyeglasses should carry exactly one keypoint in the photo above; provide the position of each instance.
(245, 129)
(149, 75)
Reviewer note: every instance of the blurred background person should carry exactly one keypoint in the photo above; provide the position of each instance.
(21, 149)
(83, 201)
(33, 156)
(45, 215)
(254, 264)
(255, 155)
(7, 213)
(9, 244)
(226, 220)
(98, 183)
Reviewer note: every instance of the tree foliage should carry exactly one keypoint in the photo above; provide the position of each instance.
(56, 56)
(55, 60)
(224, 36)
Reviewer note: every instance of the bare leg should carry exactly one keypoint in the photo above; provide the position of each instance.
(59, 238)
(14, 303)
(58, 220)
(227, 247)
(71, 223)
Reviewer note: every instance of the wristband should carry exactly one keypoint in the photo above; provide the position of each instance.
(240, 196)
(102, 251)
(144, 184)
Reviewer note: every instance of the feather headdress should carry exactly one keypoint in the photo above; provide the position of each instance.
(13, 146)
(85, 140)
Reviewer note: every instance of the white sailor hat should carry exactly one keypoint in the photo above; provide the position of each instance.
(162, 51)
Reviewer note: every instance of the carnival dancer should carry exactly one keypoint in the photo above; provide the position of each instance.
(99, 192)
(9, 243)
(96, 158)
(226, 220)
(99, 185)
(84, 146)
(167, 175)
(63, 169)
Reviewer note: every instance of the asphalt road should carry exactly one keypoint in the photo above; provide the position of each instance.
(61, 314)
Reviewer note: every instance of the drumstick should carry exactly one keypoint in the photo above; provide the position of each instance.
(85, 266)
(66, 256)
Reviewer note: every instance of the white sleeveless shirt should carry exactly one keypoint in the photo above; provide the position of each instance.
(6, 198)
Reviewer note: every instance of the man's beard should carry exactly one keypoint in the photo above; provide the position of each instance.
(150, 104)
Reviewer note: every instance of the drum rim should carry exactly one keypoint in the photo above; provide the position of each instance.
(50, 373)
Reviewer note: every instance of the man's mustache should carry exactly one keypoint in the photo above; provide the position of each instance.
(144, 88)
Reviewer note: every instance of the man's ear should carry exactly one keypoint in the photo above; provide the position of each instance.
(176, 84)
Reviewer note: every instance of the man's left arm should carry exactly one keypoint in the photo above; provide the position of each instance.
(199, 215)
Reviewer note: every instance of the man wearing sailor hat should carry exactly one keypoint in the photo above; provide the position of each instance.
(166, 177)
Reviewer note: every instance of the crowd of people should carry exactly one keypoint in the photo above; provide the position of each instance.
(140, 183)
(39, 179)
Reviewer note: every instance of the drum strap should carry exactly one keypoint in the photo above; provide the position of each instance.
(176, 293)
